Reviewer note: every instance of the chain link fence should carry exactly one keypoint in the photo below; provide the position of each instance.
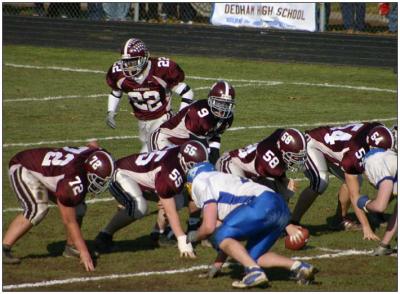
(337, 17)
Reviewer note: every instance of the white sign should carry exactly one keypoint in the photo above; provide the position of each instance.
(288, 16)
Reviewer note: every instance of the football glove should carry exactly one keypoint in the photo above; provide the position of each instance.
(110, 120)
(362, 203)
(185, 249)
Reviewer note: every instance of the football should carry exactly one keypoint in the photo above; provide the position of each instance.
(292, 244)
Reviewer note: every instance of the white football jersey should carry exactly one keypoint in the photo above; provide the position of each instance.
(380, 165)
(227, 190)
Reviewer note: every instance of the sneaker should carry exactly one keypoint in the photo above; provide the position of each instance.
(255, 277)
(304, 274)
(70, 251)
(8, 258)
(382, 250)
(103, 242)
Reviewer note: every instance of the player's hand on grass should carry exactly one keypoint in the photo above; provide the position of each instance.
(369, 235)
(87, 261)
(185, 249)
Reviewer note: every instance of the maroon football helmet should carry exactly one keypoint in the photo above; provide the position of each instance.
(134, 57)
(394, 132)
(191, 153)
(292, 143)
(380, 137)
(99, 167)
(221, 99)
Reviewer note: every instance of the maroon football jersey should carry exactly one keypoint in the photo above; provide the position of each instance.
(262, 159)
(150, 99)
(59, 169)
(195, 119)
(344, 146)
(157, 171)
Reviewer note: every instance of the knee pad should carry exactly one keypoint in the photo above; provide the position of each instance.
(129, 196)
(319, 182)
(42, 211)
(323, 182)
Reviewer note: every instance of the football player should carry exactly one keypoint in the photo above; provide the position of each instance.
(236, 209)
(149, 83)
(381, 171)
(267, 161)
(63, 175)
(339, 151)
(162, 172)
(203, 120)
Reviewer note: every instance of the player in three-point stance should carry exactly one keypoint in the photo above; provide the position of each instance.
(236, 209)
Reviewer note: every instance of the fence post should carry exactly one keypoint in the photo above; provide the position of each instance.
(322, 19)
(136, 13)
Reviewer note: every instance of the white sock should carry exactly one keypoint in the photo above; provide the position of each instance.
(295, 265)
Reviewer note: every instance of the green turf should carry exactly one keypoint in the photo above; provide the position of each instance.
(258, 104)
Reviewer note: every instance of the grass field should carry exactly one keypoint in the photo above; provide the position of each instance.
(58, 97)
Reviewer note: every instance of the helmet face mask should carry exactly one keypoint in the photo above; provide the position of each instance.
(97, 184)
(134, 57)
(292, 145)
(221, 99)
(133, 66)
(99, 168)
(295, 162)
(221, 107)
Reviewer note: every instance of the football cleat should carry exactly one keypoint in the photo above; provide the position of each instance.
(347, 224)
(8, 257)
(103, 243)
(254, 277)
(304, 274)
(70, 251)
(382, 250)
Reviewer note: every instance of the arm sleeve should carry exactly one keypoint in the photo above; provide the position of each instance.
(183, 90)
(113, 100)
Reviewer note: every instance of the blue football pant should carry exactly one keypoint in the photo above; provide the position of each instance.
(260, 222)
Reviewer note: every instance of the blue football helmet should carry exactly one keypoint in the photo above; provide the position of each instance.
(199, 168)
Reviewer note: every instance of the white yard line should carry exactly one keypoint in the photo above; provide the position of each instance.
(51, 98)
(338, 253)
(326, 85)
(22, 144)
